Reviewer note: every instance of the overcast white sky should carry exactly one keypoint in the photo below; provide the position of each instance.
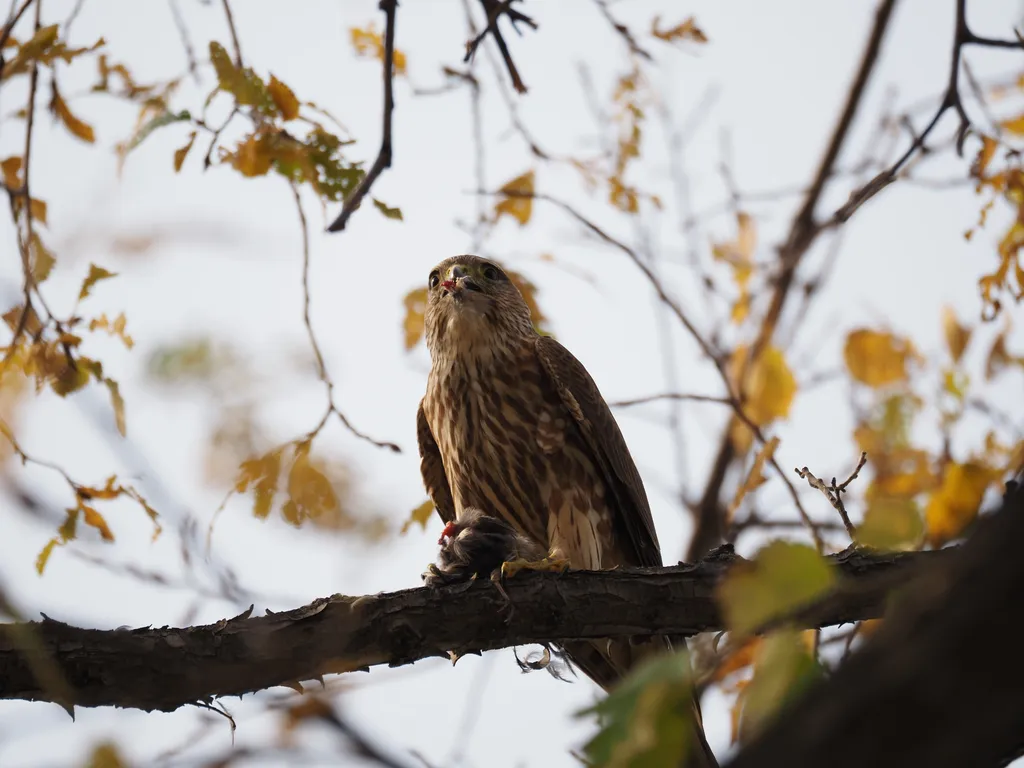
(231, 266)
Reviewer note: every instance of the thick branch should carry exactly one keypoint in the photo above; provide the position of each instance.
(163, 669)
(939, 684)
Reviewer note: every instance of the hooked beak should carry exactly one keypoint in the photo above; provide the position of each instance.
(456, 286)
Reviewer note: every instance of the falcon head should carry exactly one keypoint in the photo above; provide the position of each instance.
(471, 302)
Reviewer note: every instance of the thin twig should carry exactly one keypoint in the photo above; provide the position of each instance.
(834, 493)
(383, 160)
(320, 365)
(623, 30)
(66, 30)
(9, 26)
(495, 9)
(671, 396)
(962, 36)
(234, 33)
(186, 42)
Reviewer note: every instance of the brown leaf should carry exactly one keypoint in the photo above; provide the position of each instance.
(93, 518)
(95, 275)
(957, 336)
(181, 153)
(685, 30)
(11, 167)
(77, 127)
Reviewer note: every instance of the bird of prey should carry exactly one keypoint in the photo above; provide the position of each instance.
(514, 426)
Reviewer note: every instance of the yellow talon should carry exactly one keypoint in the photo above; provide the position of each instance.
(547, 564)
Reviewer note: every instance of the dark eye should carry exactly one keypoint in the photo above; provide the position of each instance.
(493, 273)
(433, 280)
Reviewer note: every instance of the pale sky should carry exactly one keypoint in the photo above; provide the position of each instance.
(227, 262)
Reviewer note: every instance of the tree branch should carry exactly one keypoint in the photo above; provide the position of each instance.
(939, 684)
(384, 155)
(166, 668)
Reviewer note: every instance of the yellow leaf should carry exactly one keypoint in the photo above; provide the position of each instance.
(262, 473)
(95, 275)
(310, 492)
(181, 153)
(77, 128)
(955, 504)
(92, 517)
(42, 260)
(390, 213)
(118, 403)
(769, 387)
(686, 30)
(1015, 126)
(999, 358)
(985, 155)
(105, 755)
(755, 478)
(415, 306)
(368, 42)
(251, 157)
(892, 524)
(44, 556)
(739, 659)
(284, 98)
(877, 358)
(38, 210)
(421, 515)
(957, 336)
(518, 200)
(11, 167)
(782, 577)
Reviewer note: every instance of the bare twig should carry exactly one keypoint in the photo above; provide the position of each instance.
(383, 160)
(623, 30)
(186, 42)
(234, 33)
(671, 396)
(9, 26)
(834, 493)
(318, 355)
(495, 9)
(962, 36)
(72, 17)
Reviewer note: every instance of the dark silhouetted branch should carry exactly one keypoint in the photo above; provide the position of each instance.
(166, 668)
(938, 684)
(383, 160)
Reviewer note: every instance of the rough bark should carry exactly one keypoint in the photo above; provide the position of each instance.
(165, 668)
(942, 681)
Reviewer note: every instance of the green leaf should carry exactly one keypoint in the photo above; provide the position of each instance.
(167, 118)
(95, 275)
(419, 515)
(391, 213)
(783, 577)
(646, 719)
(784, 668)
(245, 85)
(891, 524)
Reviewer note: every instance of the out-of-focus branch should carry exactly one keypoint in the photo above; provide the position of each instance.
(804, 230)
(383, 160)
(166, 668)
(962, 36)
(938, 684)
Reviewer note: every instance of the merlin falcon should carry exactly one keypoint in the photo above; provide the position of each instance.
(513, 426)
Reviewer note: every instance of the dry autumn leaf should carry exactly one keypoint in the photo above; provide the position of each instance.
(415, 306)
(77, 127)
(421, 515)
(517, 200)
(755, 478)
(181, 153)
(95, 275)
(955, 504)
(877, 358)
(769, 385)
(685, 30)
(957, 336)
(284, 98)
